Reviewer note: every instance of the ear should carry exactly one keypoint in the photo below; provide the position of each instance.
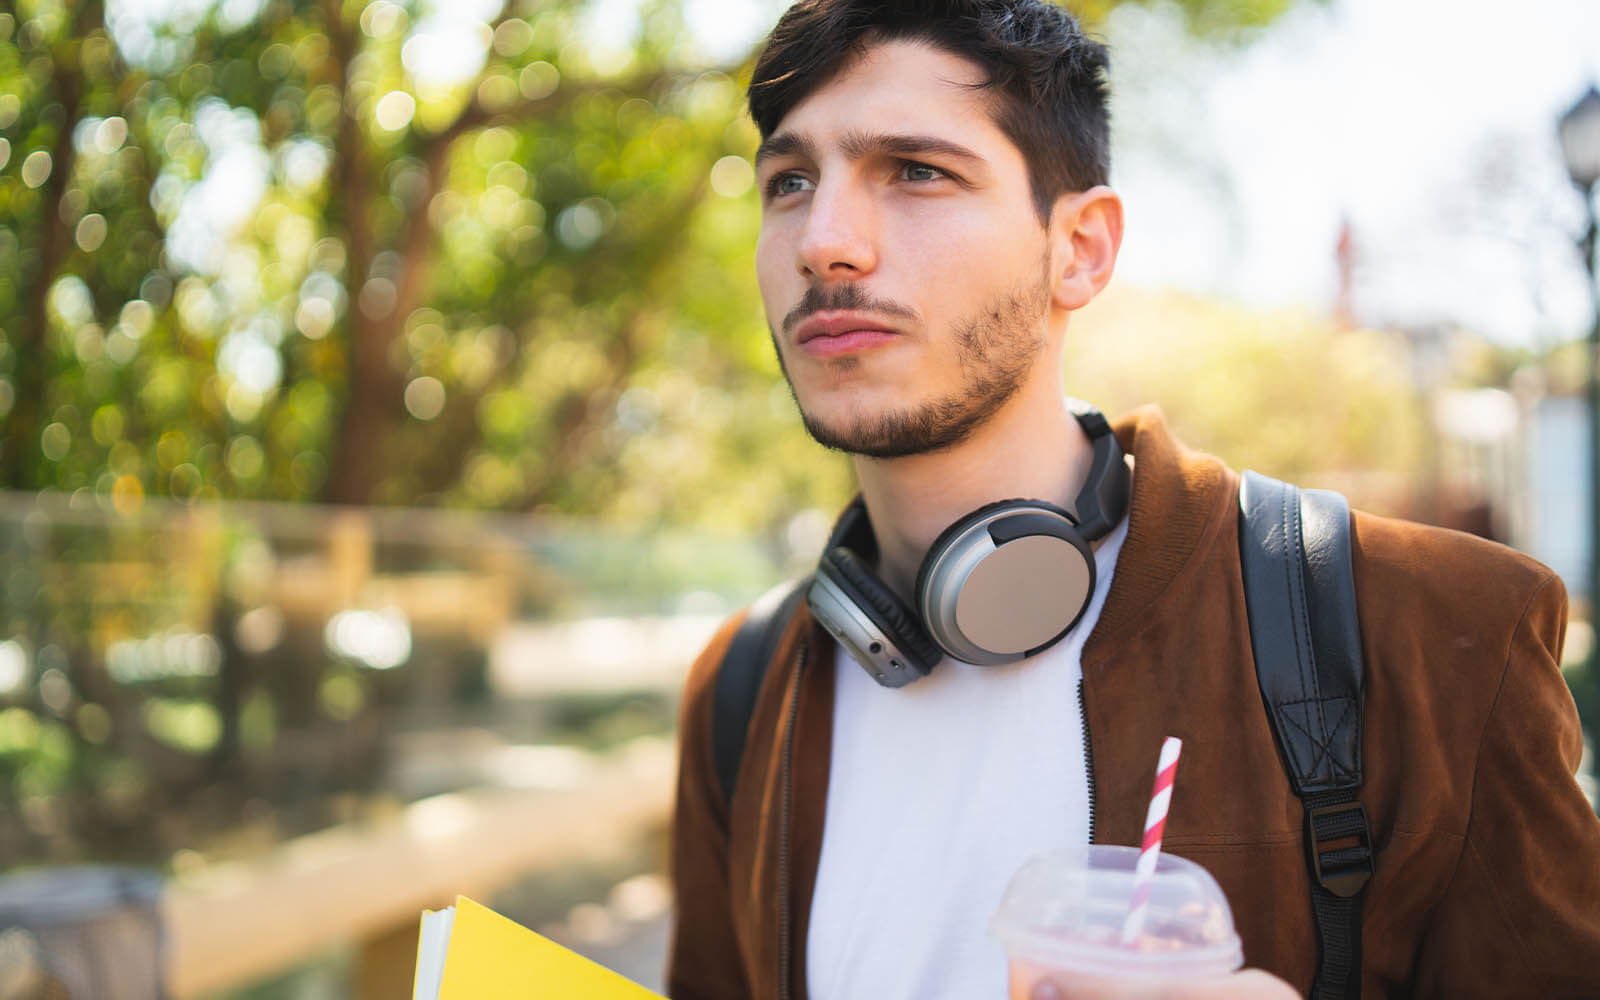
(1085, 234)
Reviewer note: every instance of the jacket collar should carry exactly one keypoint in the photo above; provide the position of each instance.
(1180, 500)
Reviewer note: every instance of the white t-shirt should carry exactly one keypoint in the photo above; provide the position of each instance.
(937, 793)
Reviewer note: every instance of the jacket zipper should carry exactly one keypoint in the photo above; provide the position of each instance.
(785, 931)
(1088, 754)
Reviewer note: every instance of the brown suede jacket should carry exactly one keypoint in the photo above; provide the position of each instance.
(1487, 879)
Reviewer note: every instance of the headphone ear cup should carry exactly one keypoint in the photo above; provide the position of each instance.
(1005, 582)
(882, 605)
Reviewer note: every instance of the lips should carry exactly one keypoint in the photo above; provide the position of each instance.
(827, 334)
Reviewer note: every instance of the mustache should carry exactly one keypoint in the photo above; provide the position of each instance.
(823, 298)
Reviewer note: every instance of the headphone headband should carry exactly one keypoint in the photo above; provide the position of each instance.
(1104, 498)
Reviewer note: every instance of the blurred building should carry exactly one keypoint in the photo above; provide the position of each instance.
(1555, 529)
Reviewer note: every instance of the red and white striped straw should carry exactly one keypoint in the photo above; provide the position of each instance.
(1155, 823)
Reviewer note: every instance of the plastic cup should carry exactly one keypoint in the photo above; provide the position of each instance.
(1063, 912)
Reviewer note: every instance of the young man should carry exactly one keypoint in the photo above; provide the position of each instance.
(934, 209)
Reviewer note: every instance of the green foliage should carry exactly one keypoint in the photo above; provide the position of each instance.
(1287, 394)
(270, 259)
(270, 251)
(1218, 20)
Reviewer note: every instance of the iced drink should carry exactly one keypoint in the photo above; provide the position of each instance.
(1063, 915)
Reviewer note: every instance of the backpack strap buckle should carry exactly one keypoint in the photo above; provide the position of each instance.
(1341, 847)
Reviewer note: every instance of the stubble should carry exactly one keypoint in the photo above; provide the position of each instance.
(995, 349)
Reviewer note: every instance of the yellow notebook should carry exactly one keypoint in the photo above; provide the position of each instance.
(469, 952)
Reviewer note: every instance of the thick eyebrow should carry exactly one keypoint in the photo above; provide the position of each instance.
(785, 144)
(857, 145)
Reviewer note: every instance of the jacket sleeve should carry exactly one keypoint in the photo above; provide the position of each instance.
(703, 957)
(1519, 918)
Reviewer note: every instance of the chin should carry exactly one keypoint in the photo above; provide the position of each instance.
(899, 432)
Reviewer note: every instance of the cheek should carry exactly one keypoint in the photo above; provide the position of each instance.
(976, 254)
(943, 243)
(770, 274)
(972, 232)
(774, 252)
(765, 252)
(942, 273)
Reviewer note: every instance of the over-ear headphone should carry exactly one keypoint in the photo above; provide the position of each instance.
(1002, 583)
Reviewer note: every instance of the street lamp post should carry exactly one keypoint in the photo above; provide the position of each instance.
(1579, 130)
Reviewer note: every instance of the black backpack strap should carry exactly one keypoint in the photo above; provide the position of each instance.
(1294, 547)
(739, 676)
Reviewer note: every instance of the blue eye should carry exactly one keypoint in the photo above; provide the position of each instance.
(782, 184)
(913, 171)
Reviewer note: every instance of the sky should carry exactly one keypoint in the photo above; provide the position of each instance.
(1427, 125)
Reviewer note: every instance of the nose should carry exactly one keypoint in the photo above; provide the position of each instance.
(839, 237)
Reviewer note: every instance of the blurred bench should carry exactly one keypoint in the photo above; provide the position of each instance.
(232, 924)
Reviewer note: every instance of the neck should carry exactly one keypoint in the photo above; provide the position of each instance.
(1033, 448)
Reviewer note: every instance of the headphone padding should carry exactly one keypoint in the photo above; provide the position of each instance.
(874, 598)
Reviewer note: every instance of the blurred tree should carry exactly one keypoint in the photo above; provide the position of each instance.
(1223, 20)
(324, 250)
(1289, 394)
(480, 254)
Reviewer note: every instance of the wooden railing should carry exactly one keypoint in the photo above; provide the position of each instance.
(234, 924)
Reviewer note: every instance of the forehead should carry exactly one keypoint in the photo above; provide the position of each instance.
(908, 86)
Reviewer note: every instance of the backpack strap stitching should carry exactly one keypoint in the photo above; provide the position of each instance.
(1305, 641)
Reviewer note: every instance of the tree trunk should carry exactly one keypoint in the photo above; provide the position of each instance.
(19, 454)
(357, 460)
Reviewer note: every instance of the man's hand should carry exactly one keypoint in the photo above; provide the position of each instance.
(1251, 984)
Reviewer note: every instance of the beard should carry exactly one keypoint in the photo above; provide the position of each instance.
(996, 348)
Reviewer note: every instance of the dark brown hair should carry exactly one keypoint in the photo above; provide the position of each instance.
(1047, 78)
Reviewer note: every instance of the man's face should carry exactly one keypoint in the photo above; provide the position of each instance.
(903, 267)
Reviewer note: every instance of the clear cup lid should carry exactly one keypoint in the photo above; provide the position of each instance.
(1066, 909)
